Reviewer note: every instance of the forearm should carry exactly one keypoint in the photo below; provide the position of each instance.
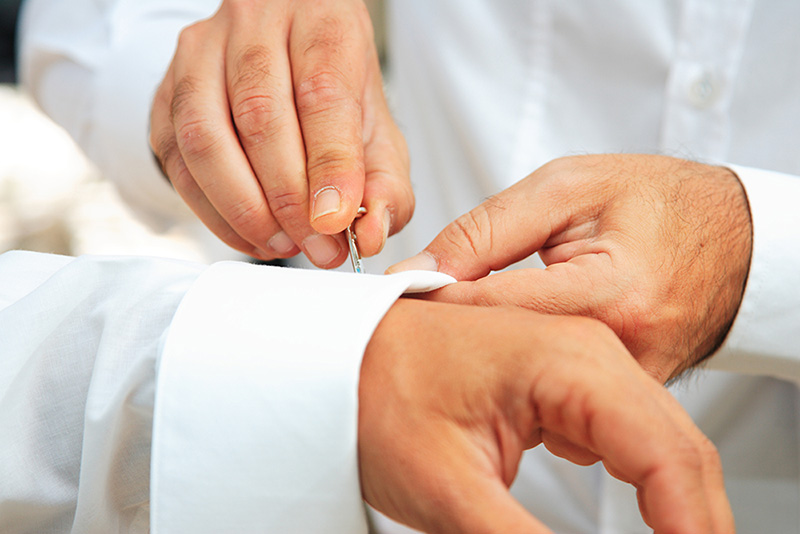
(93, 67)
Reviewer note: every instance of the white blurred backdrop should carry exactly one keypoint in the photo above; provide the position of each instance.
(53, 200)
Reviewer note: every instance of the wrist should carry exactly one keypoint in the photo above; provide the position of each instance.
(730, 224)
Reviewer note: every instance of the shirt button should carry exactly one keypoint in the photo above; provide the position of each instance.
(704, 90)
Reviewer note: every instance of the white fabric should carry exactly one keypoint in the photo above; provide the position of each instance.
(77, 368)
(488, 90)
(94, 66)
(765, 339)
(279, 452)
(241, 379)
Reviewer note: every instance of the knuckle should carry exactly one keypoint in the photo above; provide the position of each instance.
(324, 90)
(241, 10)
(254, 101)
(181, 179)
(472, 231)
(327, 38)
(254, 112)
(162, 144)
(287, 204)
(161, 100)
(253, 56)
(332, 34)
(335, 160)
(252, 67)
(697, 453)
(196, 137)
(191, 36)
(693, 458)
(246, 217)
(182, 96)
(165, 148)
(709, 453)
(194, 130)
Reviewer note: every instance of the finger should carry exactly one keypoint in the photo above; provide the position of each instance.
(564, 448)
(388, 195)
(711, 473)
(509, 226)
(571, 288)
(630, 421)
(262, 106)
(466, 492)
(668, 467)
(678, 485)
(328, 68)
(713, 477)
(500, 231)
(165, 147)
(207, 140)
(587, 285)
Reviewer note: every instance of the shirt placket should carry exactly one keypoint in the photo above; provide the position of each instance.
(528, 150)
(700, 85)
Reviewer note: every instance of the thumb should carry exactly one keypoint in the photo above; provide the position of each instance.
(388, 195)
(504, 229)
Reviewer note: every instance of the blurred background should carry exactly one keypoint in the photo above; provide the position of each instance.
(51, 197)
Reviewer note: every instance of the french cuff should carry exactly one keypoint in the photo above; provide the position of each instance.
(255, 423)
(765, 336)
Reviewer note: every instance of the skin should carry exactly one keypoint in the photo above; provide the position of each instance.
(446, 413)
(270, 112)
(657, 248)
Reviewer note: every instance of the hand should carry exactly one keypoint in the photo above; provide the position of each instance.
(655, 247)
(272, 125)
(450, 396)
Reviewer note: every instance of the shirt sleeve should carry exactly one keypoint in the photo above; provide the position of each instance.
(256, 413)
(764, 338)
(147, 395)
(94, 67)
(80, 339)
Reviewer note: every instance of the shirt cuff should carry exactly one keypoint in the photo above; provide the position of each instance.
(256, 415)
(763, 338)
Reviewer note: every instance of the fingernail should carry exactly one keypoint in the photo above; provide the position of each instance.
(326, 201)
(421, 262)
(321, 249)
(281, 243)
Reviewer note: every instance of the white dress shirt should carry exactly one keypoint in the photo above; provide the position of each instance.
(149, 395)
(488, 90)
